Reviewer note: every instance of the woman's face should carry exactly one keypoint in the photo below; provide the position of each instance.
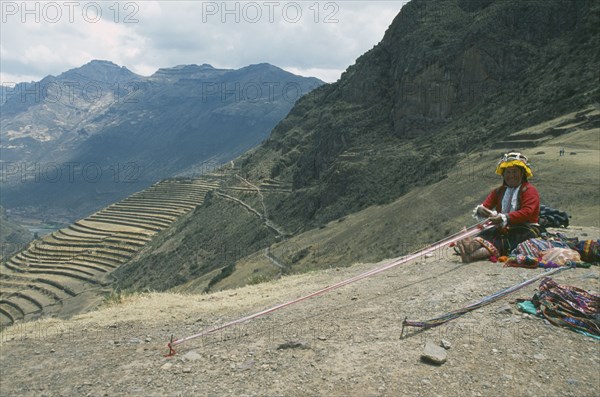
(513, 176)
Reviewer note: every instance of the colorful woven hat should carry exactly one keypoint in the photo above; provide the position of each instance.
(514, 159)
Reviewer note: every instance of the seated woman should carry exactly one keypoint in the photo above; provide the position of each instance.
(514, 207)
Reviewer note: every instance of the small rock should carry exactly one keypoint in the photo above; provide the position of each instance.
(36, 352)
(323, 338)
(246, 365)
(506, 309)
(191, 356)
(52, 350)
(539, 356)
(434, 354)
(445, 344)
(186, 370)
(507, 377)
(134, 341)
(167, 366)
(148, 339)
(293, 345)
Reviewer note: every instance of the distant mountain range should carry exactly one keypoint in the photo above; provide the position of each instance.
(72, 143)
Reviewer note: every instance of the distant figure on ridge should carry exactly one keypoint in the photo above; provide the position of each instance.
(514, 207)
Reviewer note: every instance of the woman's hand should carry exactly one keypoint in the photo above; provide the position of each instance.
(496, 219)
(481, 210)
(499, 219)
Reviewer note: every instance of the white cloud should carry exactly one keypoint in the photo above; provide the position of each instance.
(317, 38)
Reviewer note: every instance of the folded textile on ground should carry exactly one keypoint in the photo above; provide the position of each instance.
(568, 306)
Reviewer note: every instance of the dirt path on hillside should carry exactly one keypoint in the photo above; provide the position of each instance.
(249, 208)
(344, 343)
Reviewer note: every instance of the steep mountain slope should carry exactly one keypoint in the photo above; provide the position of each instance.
(447, 78)
(13, 237)
(97, 133)
(385, 130)
(420, 217)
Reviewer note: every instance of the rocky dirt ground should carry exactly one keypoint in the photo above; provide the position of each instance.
(343, 343)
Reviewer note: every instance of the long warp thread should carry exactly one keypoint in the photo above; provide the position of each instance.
(471, 231)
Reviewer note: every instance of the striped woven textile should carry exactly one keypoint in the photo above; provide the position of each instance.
(589, 250)
(535, 246)
(568, 306)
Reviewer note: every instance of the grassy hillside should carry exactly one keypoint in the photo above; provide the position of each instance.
(214, 236)
(225, 258)
(428, 213)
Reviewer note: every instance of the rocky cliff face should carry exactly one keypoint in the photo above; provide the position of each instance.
(449, 76)
(440, 59)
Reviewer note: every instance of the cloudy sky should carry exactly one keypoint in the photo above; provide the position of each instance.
(310, 38)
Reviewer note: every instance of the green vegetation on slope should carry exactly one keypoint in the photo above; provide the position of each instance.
(213, 236)
(428, 213)
(13, 237)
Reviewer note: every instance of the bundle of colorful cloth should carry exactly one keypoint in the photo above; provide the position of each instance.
(589, 250)
(565, 305)
(553, 252)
